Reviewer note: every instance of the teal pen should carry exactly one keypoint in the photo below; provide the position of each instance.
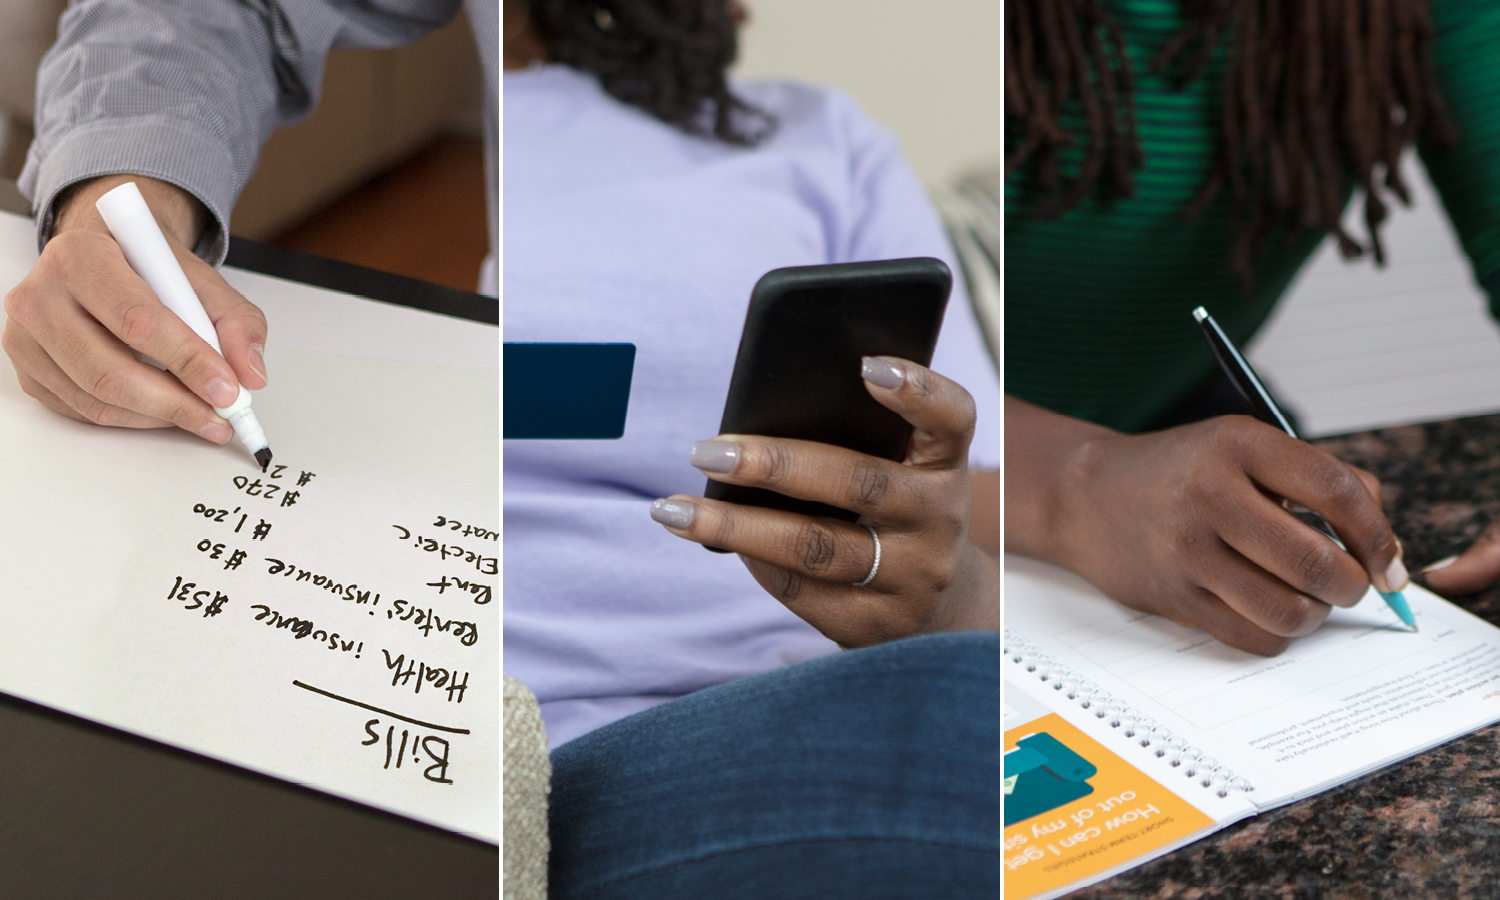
(1250, 387)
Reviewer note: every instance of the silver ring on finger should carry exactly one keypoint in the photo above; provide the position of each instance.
(875, 566)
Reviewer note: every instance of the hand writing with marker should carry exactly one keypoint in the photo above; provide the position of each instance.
(77, 320)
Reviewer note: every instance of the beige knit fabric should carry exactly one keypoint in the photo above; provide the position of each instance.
(528, 778)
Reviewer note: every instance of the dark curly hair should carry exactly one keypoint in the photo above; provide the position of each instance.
(666, 57)
(1317, 92)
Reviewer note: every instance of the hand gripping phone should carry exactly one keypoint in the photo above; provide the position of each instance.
(797, 373)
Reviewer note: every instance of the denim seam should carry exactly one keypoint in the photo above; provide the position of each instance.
(700, 857)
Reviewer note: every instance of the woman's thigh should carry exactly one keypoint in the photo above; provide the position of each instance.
(870, 774)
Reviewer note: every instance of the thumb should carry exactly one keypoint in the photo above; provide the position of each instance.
(1470, 572)
(240, 324)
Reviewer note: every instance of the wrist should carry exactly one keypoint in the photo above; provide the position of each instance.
(181, 217)
(1048, 458)
(1070, 506)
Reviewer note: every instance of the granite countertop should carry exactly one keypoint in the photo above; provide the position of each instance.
(1425, 828)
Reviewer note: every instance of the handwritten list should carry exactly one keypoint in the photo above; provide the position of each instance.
(333, 621)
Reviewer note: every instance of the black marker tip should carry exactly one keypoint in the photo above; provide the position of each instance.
(263, 456)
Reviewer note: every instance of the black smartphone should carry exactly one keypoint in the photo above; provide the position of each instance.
(797, 373)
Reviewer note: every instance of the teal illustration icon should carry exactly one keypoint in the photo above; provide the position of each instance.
(1042, 774)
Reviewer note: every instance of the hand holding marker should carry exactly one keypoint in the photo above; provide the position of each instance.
(134, 228)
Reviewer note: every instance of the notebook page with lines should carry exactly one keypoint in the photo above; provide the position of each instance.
(1358, 694)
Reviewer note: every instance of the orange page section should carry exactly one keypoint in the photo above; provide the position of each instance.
(1074, 809)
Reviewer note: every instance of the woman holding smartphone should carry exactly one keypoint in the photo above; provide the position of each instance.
(710, 739)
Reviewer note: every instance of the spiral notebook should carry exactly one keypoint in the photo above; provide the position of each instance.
(1127, 736)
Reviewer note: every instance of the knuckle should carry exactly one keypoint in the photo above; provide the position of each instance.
(1229, 432)
(787, 585)
(938, 579)
(1262, 644)
(244, 318)
(109, 385)
(200, 366)
(869, 484)
(967, 411)
(775, 463)
(96, 411)
(1184, 543)
(722, 530)
(1201, 488)
(255, 320)
(1338, 481)
(919, 384)
(10, 341)
(1241, 438)
(1317, 567)
(815, 548)
(136, 324)
(20, 305)
(1295, 616)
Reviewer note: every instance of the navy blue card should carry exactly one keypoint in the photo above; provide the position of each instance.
(566, 391)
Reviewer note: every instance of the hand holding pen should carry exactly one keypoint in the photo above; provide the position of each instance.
(1188, 523)
(1263, 405)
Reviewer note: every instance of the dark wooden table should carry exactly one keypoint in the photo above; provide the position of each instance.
(1425, 829)
(88, 811)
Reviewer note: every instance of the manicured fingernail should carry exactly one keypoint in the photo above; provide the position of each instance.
(672, 513)
(221, 393)
(716, 456)
(882, 372)
(217, 432)
(258, 361)
(1396, 578)
(1442, 563)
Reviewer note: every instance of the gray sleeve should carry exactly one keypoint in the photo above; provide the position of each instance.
(187, 92)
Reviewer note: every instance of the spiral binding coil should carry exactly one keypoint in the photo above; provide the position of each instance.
(1144, 730)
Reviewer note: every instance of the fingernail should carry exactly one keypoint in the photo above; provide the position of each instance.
(882, 372)
(1442, 563)
(258, 361)
(221, 393)
(1396, 578)
(716, 456)
(217, 432)
(672, 513)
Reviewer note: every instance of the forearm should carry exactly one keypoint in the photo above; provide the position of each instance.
(1039, 448)
(187, 93)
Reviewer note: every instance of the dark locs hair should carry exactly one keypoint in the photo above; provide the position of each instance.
(1316, 91)
(666, 57)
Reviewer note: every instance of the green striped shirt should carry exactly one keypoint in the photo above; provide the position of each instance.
(1098, 301)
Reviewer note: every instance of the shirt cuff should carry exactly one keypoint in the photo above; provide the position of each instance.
(159, 147)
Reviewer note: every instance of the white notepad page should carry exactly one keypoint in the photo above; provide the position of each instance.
(1355, 695)
(335, 622)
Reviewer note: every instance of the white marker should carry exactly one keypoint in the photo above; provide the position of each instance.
(135, 230)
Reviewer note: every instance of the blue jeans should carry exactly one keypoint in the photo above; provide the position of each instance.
(870, 774)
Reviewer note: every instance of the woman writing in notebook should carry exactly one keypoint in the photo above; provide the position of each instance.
(1201, 152)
